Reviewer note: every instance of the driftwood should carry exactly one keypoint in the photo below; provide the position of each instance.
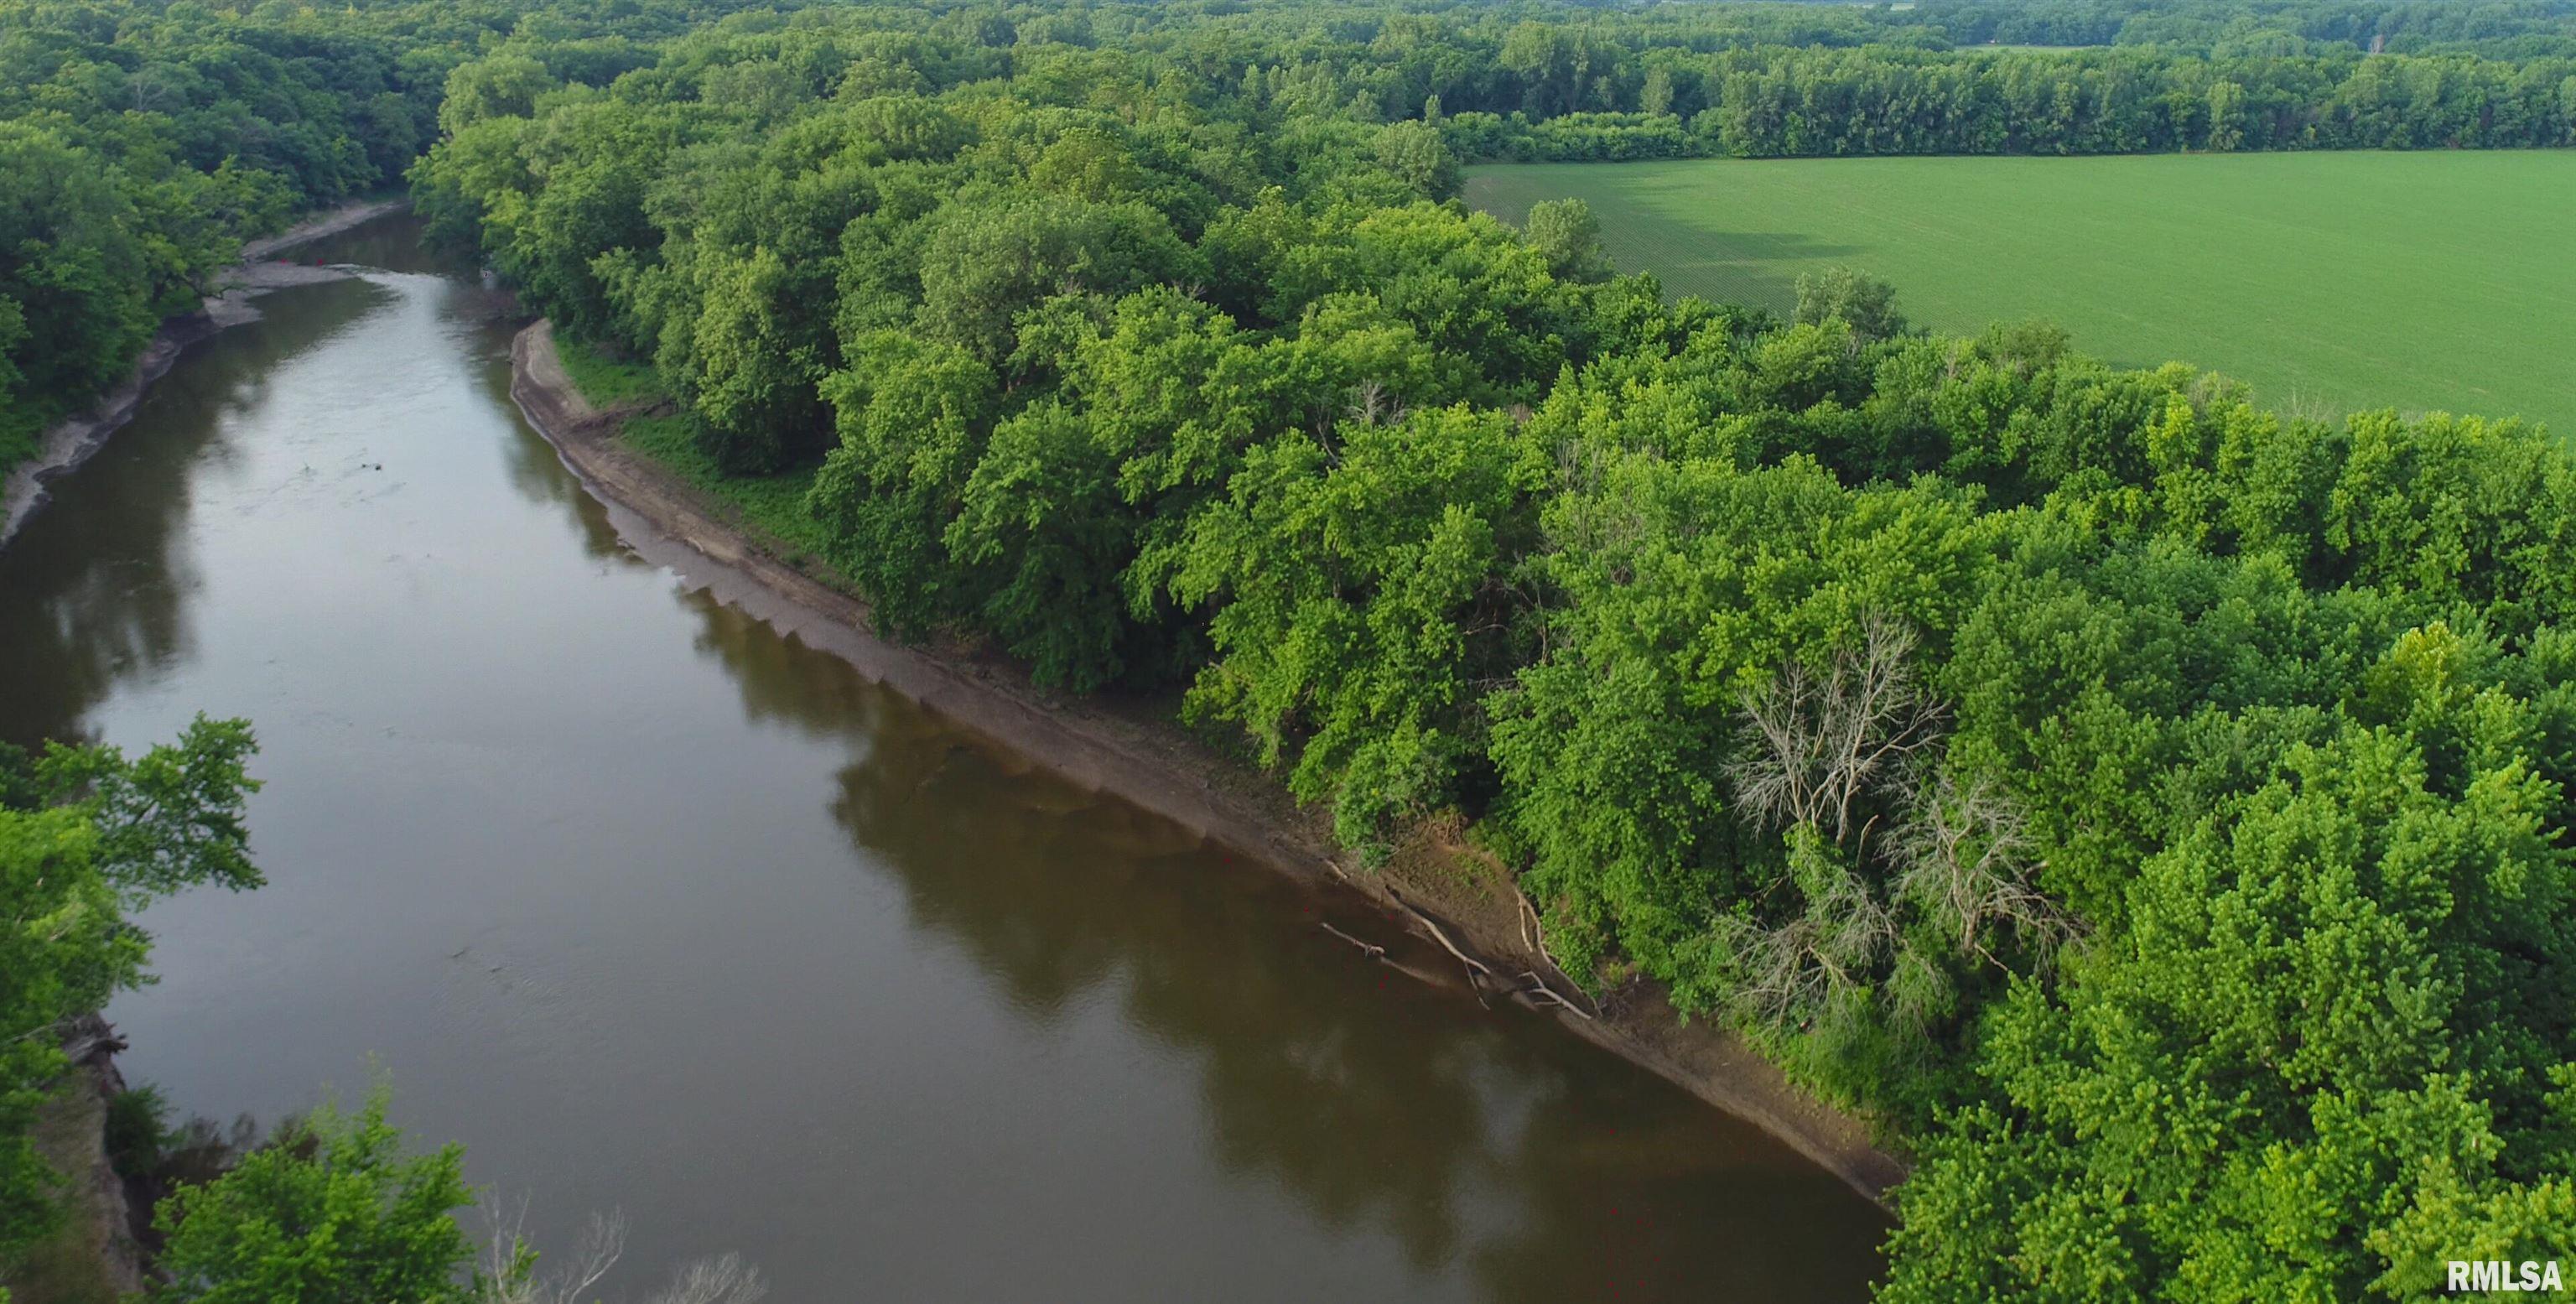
(1478, 972)
(1534, 933)
(1380, 954)
(1440, 935)
(1538, 987)
(1375, 951)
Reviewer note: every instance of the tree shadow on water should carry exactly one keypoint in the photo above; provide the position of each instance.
(1498, 1152)
(97, 587)
(1501, 1156)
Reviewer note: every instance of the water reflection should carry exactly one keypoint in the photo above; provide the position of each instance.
(97, 583)
(1383, 1106)
(650, 905)
(1484, 1143)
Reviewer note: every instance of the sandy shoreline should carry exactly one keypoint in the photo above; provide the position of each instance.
(1460, 910)
(70, 442)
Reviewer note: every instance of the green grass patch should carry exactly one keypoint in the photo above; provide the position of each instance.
(605, 380)
(2331, 281)
(772, 505)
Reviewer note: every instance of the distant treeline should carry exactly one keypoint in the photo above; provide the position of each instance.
(144, 139)
(2509, 29)
(142, 143)
(2151, 806)
(1776, 101)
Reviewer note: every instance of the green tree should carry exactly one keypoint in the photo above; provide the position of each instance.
(1864, 303)
(1356, 581)
(913, 416)
(1565, 232)
(78, 280)
(1657, 96)
(1418, 157)
(332, 1211)
(88, 836)
(2226, 116)
(982, 265)
(2298, 1063)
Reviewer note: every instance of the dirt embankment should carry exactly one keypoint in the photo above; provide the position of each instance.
(1462, 912)
(70, 442)
(93, 1254)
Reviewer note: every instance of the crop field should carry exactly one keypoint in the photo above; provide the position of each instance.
(2422, 281)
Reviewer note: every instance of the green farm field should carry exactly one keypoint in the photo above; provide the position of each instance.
(2330, 281)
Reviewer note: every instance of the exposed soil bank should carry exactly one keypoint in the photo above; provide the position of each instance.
(1450, 900)
(93, 1255)
(71, 442)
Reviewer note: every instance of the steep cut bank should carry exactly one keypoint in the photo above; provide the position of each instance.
(70, 442)
(1450, 911)
(94, 1254)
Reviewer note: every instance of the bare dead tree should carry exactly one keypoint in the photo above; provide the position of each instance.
(1851, 743)
(148, 87)
(1819, 740)
(508, 1272)
(509, 1264)
(1962, 859)
(725, 1279)
(1788, 973)
(1372, 404)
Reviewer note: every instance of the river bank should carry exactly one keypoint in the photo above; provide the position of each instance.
(71, 441)
(1448, 909)
(94, 1254)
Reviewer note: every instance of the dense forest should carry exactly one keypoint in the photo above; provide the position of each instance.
(2148, 806)
(143, 143)
(157, 136)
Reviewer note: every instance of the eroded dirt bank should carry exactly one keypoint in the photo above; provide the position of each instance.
(1452, 917)
(70, 442)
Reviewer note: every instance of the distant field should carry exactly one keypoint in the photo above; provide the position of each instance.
(2331, 281)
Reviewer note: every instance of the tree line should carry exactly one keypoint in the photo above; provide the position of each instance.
(148, 138)
(143, 141)
(2504, 28)
(2146, 804)
(1772, 102)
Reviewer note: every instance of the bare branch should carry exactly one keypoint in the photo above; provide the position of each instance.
(1819, 743)
(1789, 973)
(725, 1279)
(508, 1272)
(1961, 858)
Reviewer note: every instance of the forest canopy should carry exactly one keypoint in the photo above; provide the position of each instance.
(2148, 805)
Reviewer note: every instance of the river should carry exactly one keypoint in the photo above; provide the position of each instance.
(655, 909)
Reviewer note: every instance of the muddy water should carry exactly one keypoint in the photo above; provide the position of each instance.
(657, 910)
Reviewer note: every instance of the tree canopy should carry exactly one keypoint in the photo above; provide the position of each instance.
(87, 837)
(2146, 805)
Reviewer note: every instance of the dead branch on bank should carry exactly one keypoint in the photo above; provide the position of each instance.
(1375, 951)
(1478, 972)
(1534, 935)
(1538, 987)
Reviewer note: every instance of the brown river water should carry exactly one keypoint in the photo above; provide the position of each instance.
(657, 910)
